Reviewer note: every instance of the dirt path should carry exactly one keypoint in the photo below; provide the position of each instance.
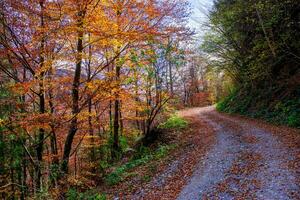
(227, 157)
(247, 162)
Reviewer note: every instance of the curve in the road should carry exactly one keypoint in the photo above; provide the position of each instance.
(245, 163)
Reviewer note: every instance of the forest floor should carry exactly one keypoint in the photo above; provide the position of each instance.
(226, 157)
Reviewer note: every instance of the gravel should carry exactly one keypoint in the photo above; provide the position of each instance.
(276, 180)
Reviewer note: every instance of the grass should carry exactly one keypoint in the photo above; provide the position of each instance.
(174, 122)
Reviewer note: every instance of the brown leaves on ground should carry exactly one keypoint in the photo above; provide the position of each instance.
(289, 137)
(192, 145)
(195, 143)
(249, 139)
(246, 164)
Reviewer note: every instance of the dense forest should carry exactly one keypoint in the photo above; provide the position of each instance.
(256, 44)
(87, 84)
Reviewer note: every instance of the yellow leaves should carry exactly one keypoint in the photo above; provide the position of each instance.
(1, 122)
(46, 66)
(97, 83)
(117, 44)
(105, 3)
(83, 116)
(115, 91)
(92, 141)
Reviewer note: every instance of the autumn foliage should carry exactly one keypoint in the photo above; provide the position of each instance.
(76, 75)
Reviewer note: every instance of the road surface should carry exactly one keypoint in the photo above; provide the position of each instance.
(246, 162)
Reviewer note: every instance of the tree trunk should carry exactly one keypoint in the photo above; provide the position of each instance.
(121, 118)
(171, 78)
(91, 131)
(39, 147)
(75, 96)
(53, 140)
(116, 117)
(136, 90)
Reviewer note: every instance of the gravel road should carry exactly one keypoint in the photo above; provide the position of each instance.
(245, 163)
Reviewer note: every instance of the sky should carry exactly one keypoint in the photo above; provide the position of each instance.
(199, 10)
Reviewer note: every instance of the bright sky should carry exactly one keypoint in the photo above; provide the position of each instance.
(199, 10)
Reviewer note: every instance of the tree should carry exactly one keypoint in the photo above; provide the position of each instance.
(254, 42)
(64, 66)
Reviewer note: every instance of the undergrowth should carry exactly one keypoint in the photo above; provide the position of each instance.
(142, 157)
(174, 122)
(73, 194)
(264, 104)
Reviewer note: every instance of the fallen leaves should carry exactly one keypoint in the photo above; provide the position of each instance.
(240, 179)
(194, 143)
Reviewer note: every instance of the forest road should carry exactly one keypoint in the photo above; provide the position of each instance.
(247, 162)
